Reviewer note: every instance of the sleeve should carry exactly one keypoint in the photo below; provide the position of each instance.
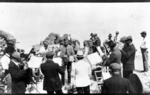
(98, 42)
(130, 87)
(131, 51)
(60, 70)
(111, 59)
(15, 74)
(104, 88)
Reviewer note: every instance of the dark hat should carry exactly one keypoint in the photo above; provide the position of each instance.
(128, 38)
(91, 34)
(115, 66)
(94, 35)
(16, 55)
(49, 54)
(117, 32)
(110, 35)
(143, 32)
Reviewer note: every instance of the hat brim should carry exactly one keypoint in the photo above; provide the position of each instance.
(80, 56)
(143, 33)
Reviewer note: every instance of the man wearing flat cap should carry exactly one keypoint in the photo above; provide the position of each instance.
(116, 84)
(128, 57)
(115, 56)
(97, 41)
(51, 71)
(144, 51)
(18, 74)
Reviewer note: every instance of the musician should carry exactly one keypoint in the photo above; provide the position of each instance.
(82, 74)
(117, 84)
(106, 44)
(51, 73)
(5, 61)
(97, 41)
(115, 56)
(128, 57)
(17, 74)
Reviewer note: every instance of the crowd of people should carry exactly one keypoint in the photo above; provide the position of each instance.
(117, 54)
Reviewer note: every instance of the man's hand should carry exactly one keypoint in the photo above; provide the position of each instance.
(26, 67)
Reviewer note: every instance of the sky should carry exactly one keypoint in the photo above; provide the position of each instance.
(31, 23)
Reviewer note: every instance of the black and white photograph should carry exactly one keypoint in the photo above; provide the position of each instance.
(74, 48)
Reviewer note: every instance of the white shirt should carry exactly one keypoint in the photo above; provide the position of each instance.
(82, 70)
(5, 60)
(144, 43)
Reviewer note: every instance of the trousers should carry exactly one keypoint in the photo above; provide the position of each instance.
(145, 59)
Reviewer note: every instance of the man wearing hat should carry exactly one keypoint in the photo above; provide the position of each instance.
(82, 73)
(18, 74)
(97, 41)
(144, 51)
(116, 84)
(128, 57)
(105, 44)
(51, 71)
(115, 56)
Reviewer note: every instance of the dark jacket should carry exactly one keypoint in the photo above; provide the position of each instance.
(128, 56)
(117, 84)
(115, 57)
(18, 78)
(51, 73)
(97, 42)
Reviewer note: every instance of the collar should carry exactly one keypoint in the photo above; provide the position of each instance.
(16, 63)
(130, 43)
(7, 55)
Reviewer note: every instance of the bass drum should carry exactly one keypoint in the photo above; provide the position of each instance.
(140, 82)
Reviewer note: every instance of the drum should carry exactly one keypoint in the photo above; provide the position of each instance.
(140, 82)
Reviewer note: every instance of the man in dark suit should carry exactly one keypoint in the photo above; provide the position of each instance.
(117, 84)
(128, 56)
(115, 56)
(17, 74)
(51, 73)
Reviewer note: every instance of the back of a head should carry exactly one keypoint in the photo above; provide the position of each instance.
(115, 68)
(49, 55)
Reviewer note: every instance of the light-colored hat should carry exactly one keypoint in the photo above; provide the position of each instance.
(80, 54)
(115, 66)
(16, 55)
